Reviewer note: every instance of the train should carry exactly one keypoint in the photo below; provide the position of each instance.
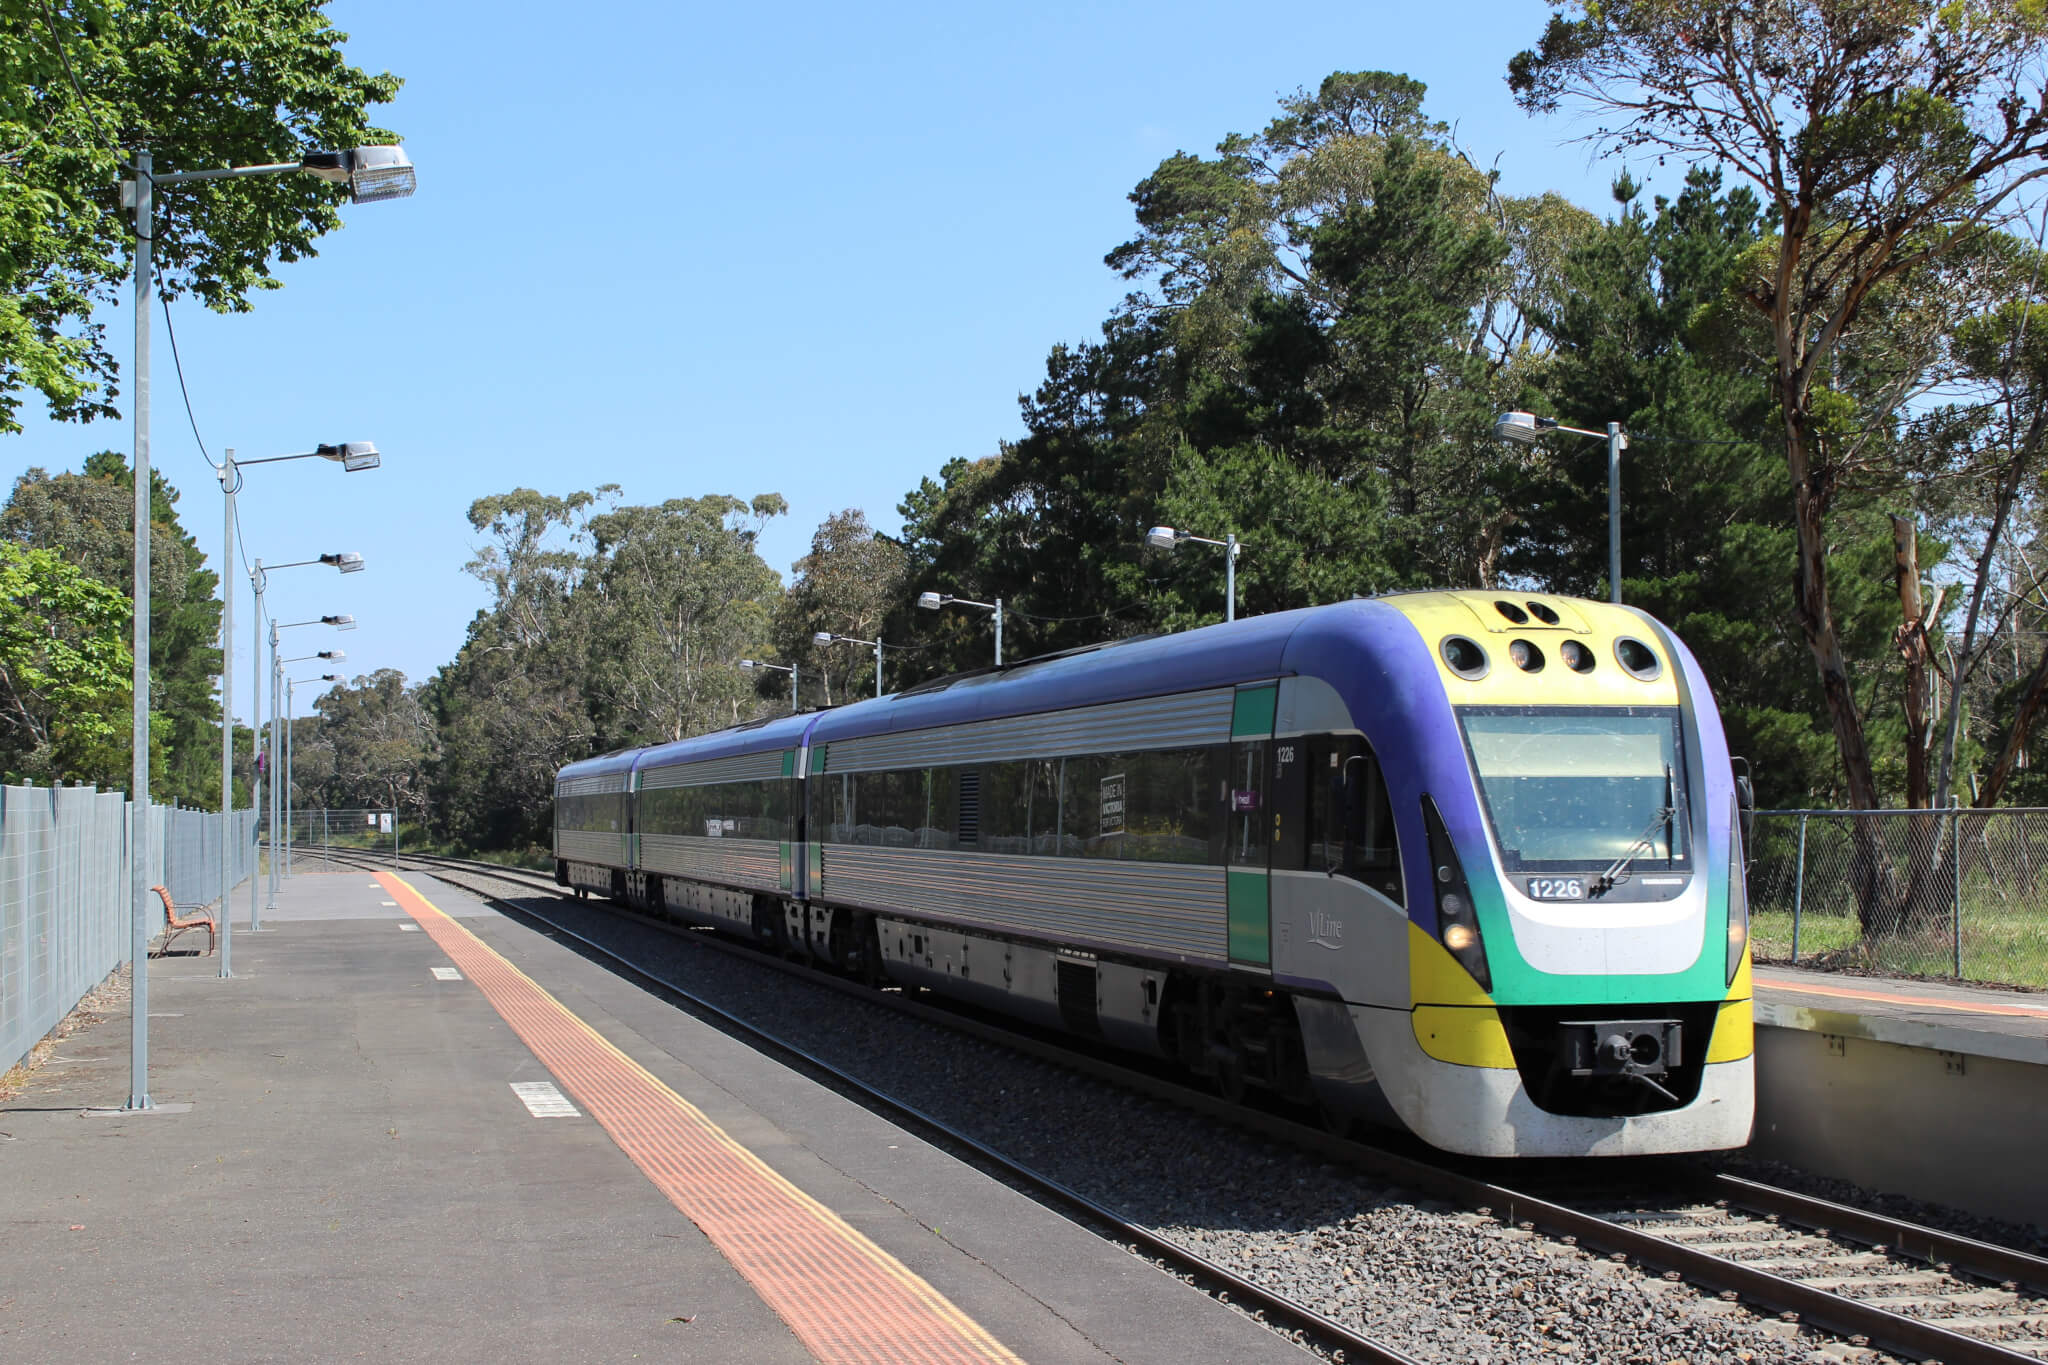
(1463, 863)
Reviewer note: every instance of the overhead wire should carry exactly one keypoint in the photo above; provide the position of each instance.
(178, 363)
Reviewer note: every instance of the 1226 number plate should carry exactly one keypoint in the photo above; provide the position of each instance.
(1557, 888)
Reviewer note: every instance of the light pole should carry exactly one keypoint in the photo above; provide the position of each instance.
(336, 655)
(1166, 538)
(776, 668)
(352, 456)
(290, 715)
(932, 601)
(347, 563)
(1527, 428)
(826, 637)
(371, 174)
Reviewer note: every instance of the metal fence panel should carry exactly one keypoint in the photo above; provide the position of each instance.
(310, 837)
(65, 906)
(1959, 894)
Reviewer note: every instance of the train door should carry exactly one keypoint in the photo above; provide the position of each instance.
(1248, 829)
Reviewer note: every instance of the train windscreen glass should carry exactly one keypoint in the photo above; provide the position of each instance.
(1581, 788)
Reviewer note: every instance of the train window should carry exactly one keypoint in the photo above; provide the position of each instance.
(1150, 806)
(1350, 821)
(720, 810)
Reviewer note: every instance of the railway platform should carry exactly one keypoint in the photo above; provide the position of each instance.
(413, 1129)
(1923, 1088)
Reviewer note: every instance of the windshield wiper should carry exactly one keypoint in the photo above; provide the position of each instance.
(1617, 871)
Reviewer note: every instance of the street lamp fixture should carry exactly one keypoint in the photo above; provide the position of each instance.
(932, 601)
(352, 456)
(752, 664)
(348, 561)
(1526, 428)
(826, 637)
(339, 622)
(1166, 538)
(371, 174)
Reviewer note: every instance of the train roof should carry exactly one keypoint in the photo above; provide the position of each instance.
(1319, 640)
(1212, 656)
(753, 737)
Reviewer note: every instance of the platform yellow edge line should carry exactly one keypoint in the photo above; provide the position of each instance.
(850, 1236)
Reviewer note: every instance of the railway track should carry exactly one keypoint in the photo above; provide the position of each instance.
(1876, 1282)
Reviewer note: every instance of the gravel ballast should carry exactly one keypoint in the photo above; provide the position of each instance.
(1440, 1283)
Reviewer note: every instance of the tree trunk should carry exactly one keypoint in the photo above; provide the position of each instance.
(1874, 878)
(1911, 641)
(2016, 738)
(1816, 615)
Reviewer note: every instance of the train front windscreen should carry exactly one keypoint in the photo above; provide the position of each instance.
(1578, 789)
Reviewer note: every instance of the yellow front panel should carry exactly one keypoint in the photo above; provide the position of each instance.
(1596, 625)
(1734, 1032)
(1464, 1035)
(1434, 976)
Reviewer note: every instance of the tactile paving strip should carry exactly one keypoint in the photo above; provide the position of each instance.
(846, 1299)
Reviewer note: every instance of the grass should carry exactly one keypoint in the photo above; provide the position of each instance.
(2003, 944)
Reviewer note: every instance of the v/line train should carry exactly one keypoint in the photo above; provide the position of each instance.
(1464, 862)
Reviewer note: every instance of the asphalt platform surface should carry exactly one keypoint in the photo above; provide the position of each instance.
(340, 1169)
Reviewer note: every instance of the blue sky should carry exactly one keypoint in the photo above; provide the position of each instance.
(808, 249)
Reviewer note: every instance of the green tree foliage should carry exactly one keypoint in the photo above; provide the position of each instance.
(609, 626)
(203, 83)
(1705, 535)
(851, 583)
(1329, 315)
(1882, 138)
(512, 708)
(679, 595)
(64, 672)
(86, 519)
(379, 742)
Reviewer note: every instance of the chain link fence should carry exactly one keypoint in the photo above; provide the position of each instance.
(1960, 894)
(66, 900)
(310, 839)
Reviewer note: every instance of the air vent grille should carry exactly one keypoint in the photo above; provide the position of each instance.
(969, 826)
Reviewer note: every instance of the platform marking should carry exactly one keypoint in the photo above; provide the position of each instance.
(386, 902)
(1890, 998)
(446, 974)
(408, 928)
(849, 1301)
(543, 1101)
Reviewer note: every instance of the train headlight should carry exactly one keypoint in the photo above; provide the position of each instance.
(1738, 895)
(1457, 921)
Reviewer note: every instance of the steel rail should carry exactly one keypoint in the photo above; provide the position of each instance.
(1986, 1260)
(1234, 1286)
(1836, 1313)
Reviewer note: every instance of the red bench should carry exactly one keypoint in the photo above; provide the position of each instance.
(174, 924)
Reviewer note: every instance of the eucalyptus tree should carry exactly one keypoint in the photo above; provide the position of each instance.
(681, 596)
(1880, 137)
(850, 583)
